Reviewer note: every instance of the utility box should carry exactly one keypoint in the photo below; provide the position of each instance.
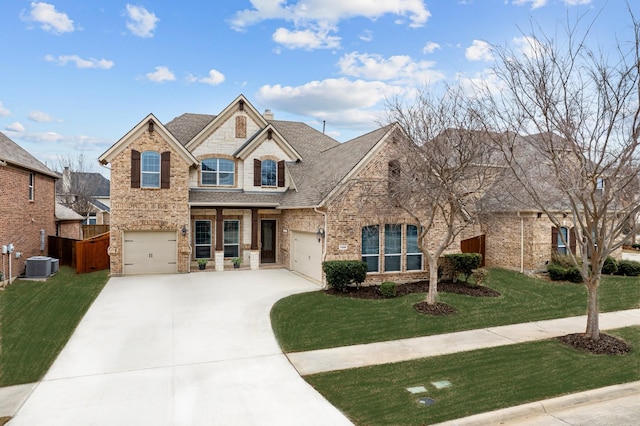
(38, 267)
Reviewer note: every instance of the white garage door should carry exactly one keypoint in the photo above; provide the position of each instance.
(306, 255)
(150, 252)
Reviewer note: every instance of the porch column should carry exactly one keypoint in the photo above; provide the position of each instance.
(219, 254)
(255, 253)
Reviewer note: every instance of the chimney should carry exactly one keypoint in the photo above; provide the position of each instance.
(66, 181)
(268, 115)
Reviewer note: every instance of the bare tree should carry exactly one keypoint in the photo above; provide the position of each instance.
(77, 188)
(441, 169)
(570, 118)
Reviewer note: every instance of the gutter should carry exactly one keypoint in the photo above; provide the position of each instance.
(324, 243)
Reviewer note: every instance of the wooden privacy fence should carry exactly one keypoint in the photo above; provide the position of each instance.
(90, 231)
(474, 245)
(85, 256)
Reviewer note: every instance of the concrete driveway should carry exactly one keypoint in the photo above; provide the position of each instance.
(194, 349)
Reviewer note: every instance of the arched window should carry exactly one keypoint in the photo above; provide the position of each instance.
(150, 169)
(269, 173)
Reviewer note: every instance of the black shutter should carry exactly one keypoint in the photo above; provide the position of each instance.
(554, 240)
(135, 169)
(257, 172)
(165, 169)
(572, 240)
(281, 173)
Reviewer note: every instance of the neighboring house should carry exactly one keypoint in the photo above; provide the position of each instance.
(27, 205)
(86, 193)
(68, 223)
(241, 184)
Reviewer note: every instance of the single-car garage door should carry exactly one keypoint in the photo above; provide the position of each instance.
(306, 255)
(150, 252)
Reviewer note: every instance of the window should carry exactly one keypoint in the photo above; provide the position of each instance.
(218, 171)
(371, 247)
(150, 170)
(91, 219)
(392, 247)
(269, 173)
(563, 239)
(203, 239)
(32, 178)
(231, 237)
(414, 256)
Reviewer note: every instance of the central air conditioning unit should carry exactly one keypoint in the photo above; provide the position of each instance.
(38, 267)
(55, 265)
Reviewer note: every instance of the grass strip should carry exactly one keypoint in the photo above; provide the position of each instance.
(37, 319)
(482, 380)
(316, 320)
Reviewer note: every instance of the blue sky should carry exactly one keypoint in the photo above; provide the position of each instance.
(77, 75)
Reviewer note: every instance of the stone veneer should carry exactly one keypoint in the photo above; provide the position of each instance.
(145, 209)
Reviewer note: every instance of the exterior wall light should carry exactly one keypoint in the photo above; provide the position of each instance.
(184, 230)
(320, 234)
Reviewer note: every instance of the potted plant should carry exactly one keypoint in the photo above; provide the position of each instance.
(237, 261)
(202, 263)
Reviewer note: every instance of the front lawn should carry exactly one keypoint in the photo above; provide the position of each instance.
(481, 381)
(316, 320)
(38, 318)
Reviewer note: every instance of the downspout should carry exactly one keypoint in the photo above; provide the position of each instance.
(324, 244)
(521, 244)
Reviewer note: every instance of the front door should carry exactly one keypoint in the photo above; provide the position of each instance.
(268, 241)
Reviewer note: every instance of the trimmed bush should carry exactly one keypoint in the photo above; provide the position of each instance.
(388, 289)
(341, 273)
(560, 273)
(629, 268)
(610, 266)
(635, 246)
(464, 263)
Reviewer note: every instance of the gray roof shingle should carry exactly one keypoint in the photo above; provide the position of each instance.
(13, 153)
(187, 126)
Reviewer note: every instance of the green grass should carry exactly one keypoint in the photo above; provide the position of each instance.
(482, 380)
(316, 320)
(38, 318)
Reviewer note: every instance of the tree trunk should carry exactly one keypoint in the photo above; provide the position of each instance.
(593, 320)
(433, 283)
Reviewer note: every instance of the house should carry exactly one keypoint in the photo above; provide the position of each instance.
(86, 193)
(242, 184)
(27, 205)
(68, 223)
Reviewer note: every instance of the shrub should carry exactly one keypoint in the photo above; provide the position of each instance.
(610, 266)
(559, 272)
(563, 260)
(388, 289)
(635, 246)
(629, 268)
(464, 263)
(479, 275)
(341, 273)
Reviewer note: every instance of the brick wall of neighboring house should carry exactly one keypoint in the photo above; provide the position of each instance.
(70, 229)
(144, 209)
(22, 220)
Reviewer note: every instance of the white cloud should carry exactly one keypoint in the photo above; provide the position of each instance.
(480, 83)
(313, 19)
(576, 2)
(141, 22)
(80, 63)
(479, 51)
(161, 74)
(366, 35)
(3, 111)
(400, 69)
(16, 127)
(528, 46)
(49, 18)
(342, 102)
(535, 4)
(431, 47)
(306, 39)
(215, 77)
(42, 117)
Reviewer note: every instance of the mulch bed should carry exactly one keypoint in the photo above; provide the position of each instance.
(373, 292)
(605, 345)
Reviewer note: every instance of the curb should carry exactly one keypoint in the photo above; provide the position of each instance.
(540, 408)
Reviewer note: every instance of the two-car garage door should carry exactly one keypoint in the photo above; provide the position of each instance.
(150, 252)
(306, 255)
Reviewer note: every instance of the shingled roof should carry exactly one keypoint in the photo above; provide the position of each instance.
(12, 153)
(187, 126)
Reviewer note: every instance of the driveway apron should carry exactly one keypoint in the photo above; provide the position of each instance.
(193, 349)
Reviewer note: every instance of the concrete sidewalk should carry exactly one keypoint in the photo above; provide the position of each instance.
(341, 358)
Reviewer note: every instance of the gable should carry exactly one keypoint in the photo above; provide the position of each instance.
(268, 141)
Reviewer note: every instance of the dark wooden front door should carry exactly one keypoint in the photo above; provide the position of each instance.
(268, 241)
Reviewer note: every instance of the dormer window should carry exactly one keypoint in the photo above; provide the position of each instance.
(218, 172)
(268, 173)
